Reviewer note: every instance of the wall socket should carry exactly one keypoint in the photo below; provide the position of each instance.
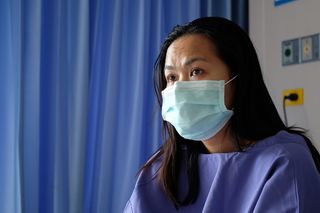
(298, 91)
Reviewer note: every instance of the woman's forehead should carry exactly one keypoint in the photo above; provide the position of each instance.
(189, 48)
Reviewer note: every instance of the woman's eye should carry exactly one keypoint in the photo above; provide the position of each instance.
(171, 78)
(195, 72)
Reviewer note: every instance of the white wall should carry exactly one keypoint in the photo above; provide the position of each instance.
(269, 26)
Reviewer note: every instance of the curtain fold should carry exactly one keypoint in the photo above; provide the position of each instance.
(10, 106)
(78, 114)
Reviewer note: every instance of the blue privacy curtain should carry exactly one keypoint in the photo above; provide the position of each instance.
(78, 114)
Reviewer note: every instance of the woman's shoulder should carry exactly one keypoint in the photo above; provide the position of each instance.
(150, 173)
(283, 143)
(147, 193)
(289, 148)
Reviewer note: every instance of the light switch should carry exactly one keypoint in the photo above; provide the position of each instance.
(290, 52)
(306, 44)
(310, 48)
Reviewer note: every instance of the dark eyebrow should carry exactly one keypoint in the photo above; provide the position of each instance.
(187, 63)
(192, 60)
(168, 67)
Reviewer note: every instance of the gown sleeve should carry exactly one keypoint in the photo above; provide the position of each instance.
(128, 207)
(293, 184)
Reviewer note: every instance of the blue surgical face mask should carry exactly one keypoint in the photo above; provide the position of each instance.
(196, 108)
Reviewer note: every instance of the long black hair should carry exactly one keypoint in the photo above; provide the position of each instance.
(255, 115)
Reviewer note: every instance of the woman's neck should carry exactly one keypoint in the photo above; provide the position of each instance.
(222, 142)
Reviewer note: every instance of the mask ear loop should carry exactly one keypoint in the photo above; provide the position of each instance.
(231, 80)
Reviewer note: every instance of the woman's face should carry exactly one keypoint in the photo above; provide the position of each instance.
(193, 58)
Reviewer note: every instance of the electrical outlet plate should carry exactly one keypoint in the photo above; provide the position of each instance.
(310, 48)
(290, 52)
(298, 91)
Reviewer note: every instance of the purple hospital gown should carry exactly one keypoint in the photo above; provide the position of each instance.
(277, 174)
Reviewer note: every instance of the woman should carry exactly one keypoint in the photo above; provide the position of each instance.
(226, 148)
